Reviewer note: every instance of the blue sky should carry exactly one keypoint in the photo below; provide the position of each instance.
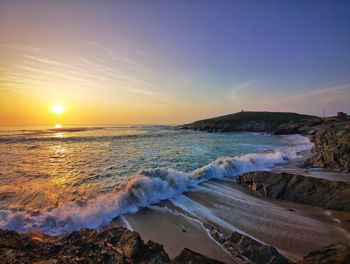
(175, 61)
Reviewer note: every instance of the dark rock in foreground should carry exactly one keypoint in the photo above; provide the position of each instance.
(332, 147)
(332, 195)
(255, 251)
(334, 254)
(189, 256)
(245, 249)
(120, 245)
(116, 245)
(269, 122)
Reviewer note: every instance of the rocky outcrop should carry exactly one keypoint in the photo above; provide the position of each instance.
(297, 188)
(334, 254)
(189, 256)
(255, 251)
(245, 249)
(116, 245)
(332, 146)
(267, 122)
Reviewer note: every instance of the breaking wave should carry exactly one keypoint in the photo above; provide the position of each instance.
(144, 188)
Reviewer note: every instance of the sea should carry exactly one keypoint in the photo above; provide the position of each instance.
(60, 180)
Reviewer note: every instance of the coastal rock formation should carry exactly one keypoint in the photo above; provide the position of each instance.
(332, 147)
(246, 249)
(255, 251)
(267, 122)
(189, 256)
(334, 254)
(120, 245)
(302, 189)
(115, 245)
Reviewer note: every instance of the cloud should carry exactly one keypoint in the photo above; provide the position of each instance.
(98, 46)
(46, 61)
(20, 47)
(240, 89)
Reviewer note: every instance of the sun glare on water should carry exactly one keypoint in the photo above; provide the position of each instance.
(57, 109)
(58, 126)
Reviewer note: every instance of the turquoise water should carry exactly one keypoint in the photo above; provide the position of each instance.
(121, 167)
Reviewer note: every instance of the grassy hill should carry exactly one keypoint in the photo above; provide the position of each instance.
(271, 122)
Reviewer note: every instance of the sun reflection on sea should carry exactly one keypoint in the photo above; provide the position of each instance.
(58, 135)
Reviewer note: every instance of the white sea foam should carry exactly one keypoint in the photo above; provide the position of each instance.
(144, 188)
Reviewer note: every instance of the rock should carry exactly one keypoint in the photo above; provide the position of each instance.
(187, 256)
(334, 254)
(332, 147)
(115, 245)
(244, 248)
(255, 251)
(328, 194)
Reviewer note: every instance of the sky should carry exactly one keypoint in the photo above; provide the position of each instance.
(170, 62)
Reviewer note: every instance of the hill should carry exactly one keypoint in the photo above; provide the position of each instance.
(270, 122)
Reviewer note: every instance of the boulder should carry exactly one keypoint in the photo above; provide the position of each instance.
(188, 256)
(255, 251)
(334, 195)
(333, 254)
(332, 147)
(115, 245)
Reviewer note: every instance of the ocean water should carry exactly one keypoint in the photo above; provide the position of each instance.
(59, 180)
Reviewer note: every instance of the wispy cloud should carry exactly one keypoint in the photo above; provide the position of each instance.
(20, 47)
(237, 91)
(45, 60)
(112, 74)
(104, 49)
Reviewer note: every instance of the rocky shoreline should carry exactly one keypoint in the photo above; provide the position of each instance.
(332, 146)
(323, 193)
(331, 136)
(115, 245)
(120, 245)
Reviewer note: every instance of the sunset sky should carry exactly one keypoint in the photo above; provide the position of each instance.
(110, 62)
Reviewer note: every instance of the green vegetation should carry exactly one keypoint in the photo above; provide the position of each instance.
(278, 117)
(270, 122)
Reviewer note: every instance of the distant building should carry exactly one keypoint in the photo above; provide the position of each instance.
(341, 115)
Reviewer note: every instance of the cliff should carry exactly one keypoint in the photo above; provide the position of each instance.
(270, 122)
(302, 189)
(332, 146)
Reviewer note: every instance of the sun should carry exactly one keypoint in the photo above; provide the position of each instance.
(57, 109)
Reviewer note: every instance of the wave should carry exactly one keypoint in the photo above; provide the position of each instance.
(144, 188)
(57, 136)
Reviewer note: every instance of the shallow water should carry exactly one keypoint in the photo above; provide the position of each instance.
(58, 180)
